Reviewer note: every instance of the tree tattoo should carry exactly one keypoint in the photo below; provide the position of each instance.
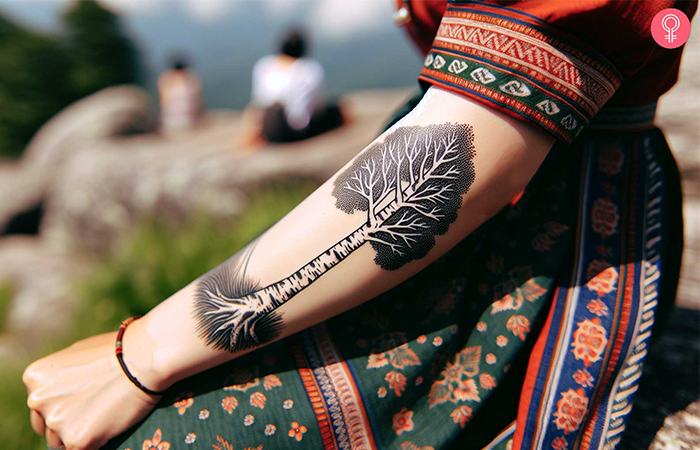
(410, 186)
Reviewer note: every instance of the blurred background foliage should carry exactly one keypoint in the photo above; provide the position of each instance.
(42, 74)
(155, 263)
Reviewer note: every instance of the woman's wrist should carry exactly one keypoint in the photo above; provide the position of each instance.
(138, 351)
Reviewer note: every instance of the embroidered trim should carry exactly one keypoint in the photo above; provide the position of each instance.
(619, 404)
(313, 391)
(529, 73)
(340, 396)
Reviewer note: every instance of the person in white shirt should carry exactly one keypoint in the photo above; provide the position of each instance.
(288, 89)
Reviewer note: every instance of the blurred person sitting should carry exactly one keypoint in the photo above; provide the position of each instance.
(288, 94)
(180, 92)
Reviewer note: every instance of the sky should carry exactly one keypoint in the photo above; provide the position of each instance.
(356, 41)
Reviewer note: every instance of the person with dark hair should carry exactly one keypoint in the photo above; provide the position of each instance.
(294, 45)
(288, 93)
(180, 92)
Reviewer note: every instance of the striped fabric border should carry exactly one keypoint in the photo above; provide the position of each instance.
(333, 393)
(607, 429)
(586, 364)
(520, 65)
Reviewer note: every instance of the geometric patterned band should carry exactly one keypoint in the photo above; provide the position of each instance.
(520, 65)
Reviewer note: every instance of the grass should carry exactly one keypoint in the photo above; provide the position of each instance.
(156, 263)
(6, 294)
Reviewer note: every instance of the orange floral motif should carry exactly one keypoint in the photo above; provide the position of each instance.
(461, 415)
(597, 307)
(501, 340)
(559, 443)
(467, 390)
(381, 392)
(408, 445)
(391, 348)
(437, 341)
(571, 408)
(583, 377)
(610, 160)
(481, 326)
(518, 286)
(589, 341)
(222, 445)
(421, 339)
(190, 438)
(419, 380)
(519, 325)
(486, 381)
(454, 383)
(229, 404)
(155, 442)
(602, 277)
(258, 399)
(604, 217)
(270, 429)
(183, 403)
(248, 420)
(397, 382)
(469, 358)
(204, 414)
(271, 381)
(297, 431)
(490, 358)
(403, 421)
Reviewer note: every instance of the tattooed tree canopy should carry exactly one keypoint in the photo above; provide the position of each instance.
(411, 187)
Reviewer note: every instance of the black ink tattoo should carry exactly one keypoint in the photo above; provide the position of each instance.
(410, 185)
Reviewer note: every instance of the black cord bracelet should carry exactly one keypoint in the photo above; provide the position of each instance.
(120, 358)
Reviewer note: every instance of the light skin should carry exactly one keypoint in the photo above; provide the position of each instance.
(74, 394)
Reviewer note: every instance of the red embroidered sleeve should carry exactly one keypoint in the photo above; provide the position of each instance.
(521, 65)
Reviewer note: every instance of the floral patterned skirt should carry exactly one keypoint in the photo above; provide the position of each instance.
(531, 333)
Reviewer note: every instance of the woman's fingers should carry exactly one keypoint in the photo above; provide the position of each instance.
(52, 439)
(38, 424)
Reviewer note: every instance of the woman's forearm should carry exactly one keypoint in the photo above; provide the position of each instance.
(401, 203)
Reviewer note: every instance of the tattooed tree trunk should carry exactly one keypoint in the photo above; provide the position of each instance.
(410, 186)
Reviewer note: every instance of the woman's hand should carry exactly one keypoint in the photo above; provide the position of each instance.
(79, 397)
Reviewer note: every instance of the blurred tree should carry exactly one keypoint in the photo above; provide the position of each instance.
(100, 53)
(40, 75)
(33, 84)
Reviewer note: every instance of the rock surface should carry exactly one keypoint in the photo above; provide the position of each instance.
(681, 431)
(113, 111)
